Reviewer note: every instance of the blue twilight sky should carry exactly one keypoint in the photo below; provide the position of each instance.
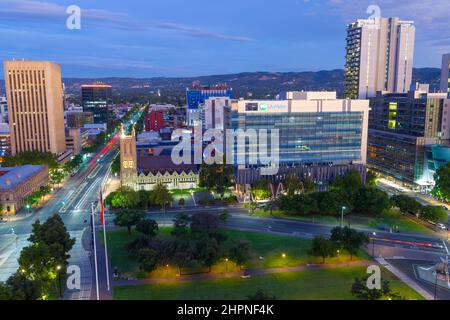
(146, 38)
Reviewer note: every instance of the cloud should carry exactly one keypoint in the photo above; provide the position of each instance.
(48, 11)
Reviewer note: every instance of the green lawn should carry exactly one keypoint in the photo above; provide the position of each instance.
(267, 246)
(304, 285)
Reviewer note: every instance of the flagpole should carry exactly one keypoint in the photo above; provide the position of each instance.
(95, 252)
(106, 247)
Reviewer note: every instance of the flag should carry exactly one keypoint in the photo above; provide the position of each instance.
(102, 209)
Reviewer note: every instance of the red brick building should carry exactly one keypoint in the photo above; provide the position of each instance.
(154, 121)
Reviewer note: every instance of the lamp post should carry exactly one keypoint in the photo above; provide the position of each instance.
(28, 208)
(226, 264)
(59, 280)
(342, 216)
(373, 244)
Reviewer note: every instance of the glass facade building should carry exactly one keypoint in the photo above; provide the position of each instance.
(96, 99)
(310, 138)
(196, 96)
(320, 137)
(402, 127)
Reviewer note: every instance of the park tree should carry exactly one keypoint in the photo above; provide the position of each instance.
(147, 227)
(216, 177)
(239, 252)
(371, 178)
(204, 222)
(161, 196)
(128, 219)
(37, 263)
(362, 292)
(261, 190)
(293, 184)
(323, 248)
(371, 201)
(53, 233)
(308, 185)
(349, 183)
(433, 214)
(180, 225)
(19, 287)
(349, 239)
(406, 204)
(206, 251)
(442, 183)
(181, 253)
(148, 259)
(331, 202)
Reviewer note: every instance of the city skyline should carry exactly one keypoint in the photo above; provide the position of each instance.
(147, 40)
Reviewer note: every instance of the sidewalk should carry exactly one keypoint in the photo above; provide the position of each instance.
(404, 278)
(249, 272)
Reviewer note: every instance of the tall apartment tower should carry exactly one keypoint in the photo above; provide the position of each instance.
(35, 102)
(379, 57)
(445, 74)
(128, 159)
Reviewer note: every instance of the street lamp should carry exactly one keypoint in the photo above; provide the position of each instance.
(342, 216)
(59, 280)
(373, 244)
(28, 208)
(226, 264)
(283, 255)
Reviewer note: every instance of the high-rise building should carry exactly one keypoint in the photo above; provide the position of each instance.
(196, 96)
(35, 101)
(404, 130)
(445, 74)
(217, 113)
(320, 136)
(77, 119)
(3, 110)
(97, 98)
(379, 57)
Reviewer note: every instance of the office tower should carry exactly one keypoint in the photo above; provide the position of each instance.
(35, 101)
(96, 98)
(77, 119)
(217, 113)
(320, 136)
(379, 57)
(196, 96)
(5, 141)
(445, 73)
(405, 130)
(3, 110)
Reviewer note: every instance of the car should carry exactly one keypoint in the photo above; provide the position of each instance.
(441, 226)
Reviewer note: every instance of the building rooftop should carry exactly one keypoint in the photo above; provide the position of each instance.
(10, 177)
(162, 164)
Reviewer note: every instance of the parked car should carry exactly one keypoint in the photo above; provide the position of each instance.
(441, 226)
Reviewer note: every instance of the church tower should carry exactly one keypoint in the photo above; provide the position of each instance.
(128, 160)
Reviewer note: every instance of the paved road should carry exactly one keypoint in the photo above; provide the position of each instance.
(241, 220)
(73, 204)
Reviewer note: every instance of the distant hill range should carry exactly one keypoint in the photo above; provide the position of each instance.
(259, 84)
